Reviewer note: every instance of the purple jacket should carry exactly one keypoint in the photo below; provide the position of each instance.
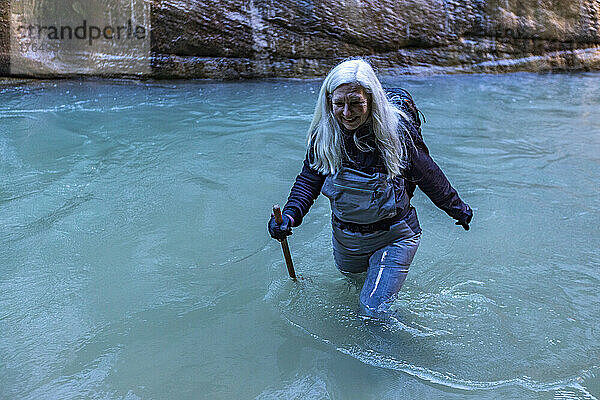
(421, 171)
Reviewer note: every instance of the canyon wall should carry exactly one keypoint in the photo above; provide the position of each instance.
(226, 39)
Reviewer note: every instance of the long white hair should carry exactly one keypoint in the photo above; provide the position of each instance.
(325, 134)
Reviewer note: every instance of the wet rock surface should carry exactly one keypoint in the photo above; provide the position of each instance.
(273, 38)
(4, 38)
(227, 39)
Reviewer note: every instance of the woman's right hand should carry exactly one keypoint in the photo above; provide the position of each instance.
(280, 231)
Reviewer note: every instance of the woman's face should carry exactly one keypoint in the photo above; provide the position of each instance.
(350, 104)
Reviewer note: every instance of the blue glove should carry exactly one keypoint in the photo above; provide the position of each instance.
(466, 219)
(280, 231)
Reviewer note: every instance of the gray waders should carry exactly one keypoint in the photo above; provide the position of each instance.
(385, 254)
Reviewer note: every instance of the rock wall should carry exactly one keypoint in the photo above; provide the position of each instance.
(305, 38)
(4, 39)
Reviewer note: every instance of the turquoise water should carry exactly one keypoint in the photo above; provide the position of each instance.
(135, 262)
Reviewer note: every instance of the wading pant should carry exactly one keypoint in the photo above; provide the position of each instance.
(384, 255)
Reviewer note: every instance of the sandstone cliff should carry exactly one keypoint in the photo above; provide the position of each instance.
(302, 38)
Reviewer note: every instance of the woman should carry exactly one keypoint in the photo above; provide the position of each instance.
(366, 154)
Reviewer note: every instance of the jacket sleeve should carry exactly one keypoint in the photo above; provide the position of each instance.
(304, 192)
(428, 176)
(422, 170)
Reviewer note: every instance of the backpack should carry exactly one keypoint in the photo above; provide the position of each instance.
(403, 100)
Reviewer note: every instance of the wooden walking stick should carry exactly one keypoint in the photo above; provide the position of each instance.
(284, 244)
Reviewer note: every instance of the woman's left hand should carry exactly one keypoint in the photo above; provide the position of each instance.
(464, 222)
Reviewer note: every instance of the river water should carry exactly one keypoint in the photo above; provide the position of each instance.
(135, 261)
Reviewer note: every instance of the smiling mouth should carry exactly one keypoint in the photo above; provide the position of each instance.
(349, 121)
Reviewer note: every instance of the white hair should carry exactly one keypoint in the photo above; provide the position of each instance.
(325, 134)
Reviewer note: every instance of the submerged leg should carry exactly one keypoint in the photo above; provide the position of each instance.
(348, 262)
(387, 271)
